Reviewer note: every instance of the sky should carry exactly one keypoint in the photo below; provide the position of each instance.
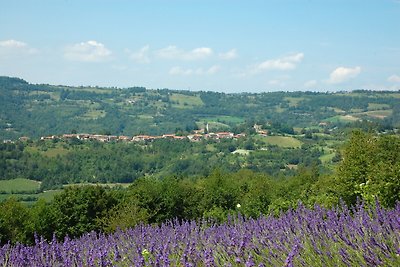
(216, 45)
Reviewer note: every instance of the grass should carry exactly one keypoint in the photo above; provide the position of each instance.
(50, 152)
(327, 157)
(185, 101)
(210, 148)
(48, 195)
(19, 185)
(338, 110)
(334, 143)
(224, 119)
(342, 118)
(379, 114)
(377, 106)
(94, 114)
(282, 141)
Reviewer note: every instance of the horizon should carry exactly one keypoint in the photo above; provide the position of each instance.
(224, 46)
(212, 91)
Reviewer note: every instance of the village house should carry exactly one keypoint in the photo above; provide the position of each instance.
(195, 137)
(139, 138)
(168, 136)
(124, 138)
(263, 132)
(222, 135)
(176, 137)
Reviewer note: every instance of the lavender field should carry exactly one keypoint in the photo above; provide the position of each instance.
(361, 236)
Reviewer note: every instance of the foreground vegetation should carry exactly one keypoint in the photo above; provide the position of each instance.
(365, 236)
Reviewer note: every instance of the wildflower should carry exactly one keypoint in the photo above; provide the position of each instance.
(145, 254)
(238, 205)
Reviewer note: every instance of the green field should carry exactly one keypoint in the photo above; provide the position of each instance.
(379, 114)
(342, 118)
(282, 141)
(50, 152)
(377, 106)
(19, 185)
(328, 156)
(185, 101)
(338, 110)
(94, 114)
(30, 198)
(224, 119)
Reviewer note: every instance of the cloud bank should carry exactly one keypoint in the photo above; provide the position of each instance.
(284, 63)
(12, 46)
(90, 51)
(172, 52)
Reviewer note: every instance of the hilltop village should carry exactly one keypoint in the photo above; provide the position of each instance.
(194, 137)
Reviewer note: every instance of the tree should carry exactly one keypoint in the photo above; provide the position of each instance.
(80, 209)
(14, 220)
(370, 169)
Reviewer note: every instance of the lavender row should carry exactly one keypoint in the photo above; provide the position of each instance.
(363, 236)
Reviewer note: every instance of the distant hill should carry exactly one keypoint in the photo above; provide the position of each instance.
(36, 110)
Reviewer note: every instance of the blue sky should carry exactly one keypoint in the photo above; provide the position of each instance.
(228, 46)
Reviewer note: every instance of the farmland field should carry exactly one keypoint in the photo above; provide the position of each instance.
(186, 101)
(18, 185)
(282, 141)
(342, 118)
(224, 119)
(380, 114)
(50, 152)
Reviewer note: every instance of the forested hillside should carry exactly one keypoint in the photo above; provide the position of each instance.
(39, 110)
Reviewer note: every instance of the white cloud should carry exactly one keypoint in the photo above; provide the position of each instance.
(394, 79)
(173, 52)
(199, 71)
(14, 46)
(310, 83)
(284, 63)
(90, 51)
(213, 69)
(231, 54)
(141, 56)
(343, 74)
